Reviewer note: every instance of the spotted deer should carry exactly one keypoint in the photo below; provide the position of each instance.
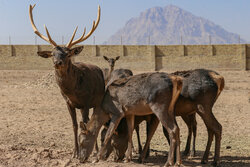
(81, 85)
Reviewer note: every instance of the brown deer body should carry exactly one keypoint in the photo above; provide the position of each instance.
(81, 85)
(200, 91)
(141, 94)
(151, 122)
(109, 76)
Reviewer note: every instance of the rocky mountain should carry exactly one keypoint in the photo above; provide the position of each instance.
(171, 25)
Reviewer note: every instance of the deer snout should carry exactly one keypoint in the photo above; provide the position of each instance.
(58, 63)
(83, 157)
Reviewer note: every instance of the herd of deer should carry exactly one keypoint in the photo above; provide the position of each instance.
(121, 101)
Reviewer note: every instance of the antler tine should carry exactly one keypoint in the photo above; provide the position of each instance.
(35, 29)
(70, 44)
(94, 26)
(91, 31)
(50, 39)
(73, 36)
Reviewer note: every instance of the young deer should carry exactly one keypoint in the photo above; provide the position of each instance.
(107, 71)
(82, 85)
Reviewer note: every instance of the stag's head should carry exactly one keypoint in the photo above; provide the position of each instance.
(111, 61)
(62, 55)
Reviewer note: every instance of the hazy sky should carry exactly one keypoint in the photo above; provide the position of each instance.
(62, 16)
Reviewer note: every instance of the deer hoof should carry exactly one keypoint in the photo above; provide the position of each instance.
(204, 161)
(75, 153)
(192, 154)
(177, 164)
(95, 161)
(141, 160)
(216, 164)
(168, 164)
(185, 153)
(127, 160)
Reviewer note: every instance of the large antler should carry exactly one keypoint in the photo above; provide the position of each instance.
(82, 38)
(49, 39)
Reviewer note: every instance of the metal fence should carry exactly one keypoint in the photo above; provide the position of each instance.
(97, 40)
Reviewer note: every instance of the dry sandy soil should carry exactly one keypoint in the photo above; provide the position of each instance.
(36, 129)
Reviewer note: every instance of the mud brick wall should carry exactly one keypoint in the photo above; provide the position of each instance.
(183, 57)
(248, 57)
(135, 57)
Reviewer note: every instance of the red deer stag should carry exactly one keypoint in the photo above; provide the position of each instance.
(82, 85)
(200, 90)
(141, 94)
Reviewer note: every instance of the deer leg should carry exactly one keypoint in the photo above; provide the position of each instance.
(86, 117)
(165, 132)
(209, 143)
(130, 122)
(109, 147)
(187, 120)
(168, 121)
(214, 128)
(72, 112)
(85, 114)
(137, 129)
(173, 131)
(116, 112)
(148, 126)
(152, 126)
(115, 119)
(194, 127)
(90, 133)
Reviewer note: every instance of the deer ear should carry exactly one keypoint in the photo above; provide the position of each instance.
(75, 51)
(45, 54)
(105, 58)
(117, 57)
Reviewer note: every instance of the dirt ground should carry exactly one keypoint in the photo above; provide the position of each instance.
(36, 128)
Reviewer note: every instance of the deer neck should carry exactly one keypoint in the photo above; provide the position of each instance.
(111, 69)
(65, 77)
(98, 119)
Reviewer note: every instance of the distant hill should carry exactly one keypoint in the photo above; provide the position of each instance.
(171, 25)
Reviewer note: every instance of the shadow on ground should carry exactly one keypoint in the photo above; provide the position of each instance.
(159, 158)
